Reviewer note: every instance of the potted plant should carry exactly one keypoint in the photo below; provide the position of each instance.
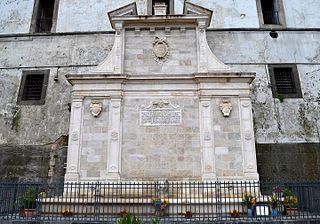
(290, 202)
(273, 202)
(28, 202)
(249, 200)
(67, 213)
(160, 205)
(235, 213)
(188, 215)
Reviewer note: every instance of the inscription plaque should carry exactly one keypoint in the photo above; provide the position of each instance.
(160, 113)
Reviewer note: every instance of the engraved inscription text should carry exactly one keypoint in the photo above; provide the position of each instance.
(160, 117)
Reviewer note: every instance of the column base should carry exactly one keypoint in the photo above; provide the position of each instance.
(71, 177)
(251, 176)
(208, 177)
(112, 177)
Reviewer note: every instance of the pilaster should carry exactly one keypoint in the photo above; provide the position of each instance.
(75, 134)
(247, 138)
(206, 140)
(114, 140)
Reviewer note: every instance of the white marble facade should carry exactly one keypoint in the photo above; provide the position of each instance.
(161, 106)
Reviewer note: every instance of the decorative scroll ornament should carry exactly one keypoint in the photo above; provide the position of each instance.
(95, 108)
(207, 136)
(226, 107)
(114, 136)
(160, 104)
(247, 135)
(160, 50)
(74, 135)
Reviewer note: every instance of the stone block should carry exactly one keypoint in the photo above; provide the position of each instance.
(221, 150)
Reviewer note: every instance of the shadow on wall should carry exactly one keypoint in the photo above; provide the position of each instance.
(296, 162)
(34, 163)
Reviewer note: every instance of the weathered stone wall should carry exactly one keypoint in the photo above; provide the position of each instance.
(42, 124)
(91, 15)
(288, 161)
(169, 152)
(293, 120)
(32, 163)
(141, 60)
(15, 16)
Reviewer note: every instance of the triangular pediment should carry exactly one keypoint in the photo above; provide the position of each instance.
(193, 9)
(127, 10)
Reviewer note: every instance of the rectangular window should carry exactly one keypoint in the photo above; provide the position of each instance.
(44, 16)
(33, 87)
(285, 81)
(271, 12)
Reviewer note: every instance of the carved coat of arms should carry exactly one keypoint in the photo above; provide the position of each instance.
(95, 108)
(226, 107)
(160, 50)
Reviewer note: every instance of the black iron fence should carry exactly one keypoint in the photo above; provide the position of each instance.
(160, 201)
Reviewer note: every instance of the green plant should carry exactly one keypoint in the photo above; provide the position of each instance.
(155, 220)
(281, 98)
(28, 201)
(248, 200)
(290, 198)
(273, 201)
(129, 219)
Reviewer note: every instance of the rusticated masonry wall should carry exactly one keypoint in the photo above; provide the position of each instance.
(93, 161)
(141, 61)
(161, 151)
(227, 140)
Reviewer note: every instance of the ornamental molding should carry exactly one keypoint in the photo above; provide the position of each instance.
(114, 136)
(75, 135)
(160, 50)
(160, 104)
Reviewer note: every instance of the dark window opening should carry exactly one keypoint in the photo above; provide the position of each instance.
(44, 17)
(167, 3)
(285, 81)
(270, 12)
(33, 87)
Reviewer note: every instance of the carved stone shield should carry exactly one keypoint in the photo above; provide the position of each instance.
(160, 50)
(95, 108)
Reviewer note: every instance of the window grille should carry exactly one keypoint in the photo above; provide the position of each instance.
(285, 81)
(33, 87)
(45, 14)
(271, 13)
